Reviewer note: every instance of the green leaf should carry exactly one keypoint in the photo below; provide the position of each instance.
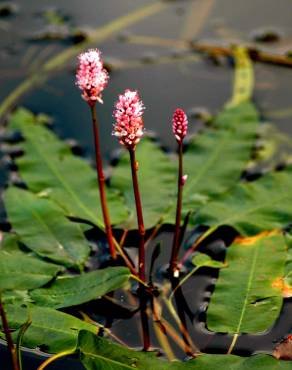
(230, 141)
(15, 297)
(203, 260)
(213, 161)
(43, 228)
(74, 290)
(97, 353)
(243, 78)
(48, 166)
(252, 207)
(245, 298)
(20, 271)
(216, 159)
(51, 330)
(9, 243)
(156, 182)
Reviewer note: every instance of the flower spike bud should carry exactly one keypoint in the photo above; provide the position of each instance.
(91, 77)
(184, 179)
(129, 127)
(179, 125)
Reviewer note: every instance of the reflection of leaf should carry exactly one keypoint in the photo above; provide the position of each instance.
(252, 207)
(52, 330)
(48, 166)
(75, 290)
(245, 299)
(42, 227)
(99, 353)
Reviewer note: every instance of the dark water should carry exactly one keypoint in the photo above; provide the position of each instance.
(167, 77)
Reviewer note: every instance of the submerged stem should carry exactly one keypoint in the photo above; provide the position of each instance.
(176, 238)
(11, 346)
(101, 183)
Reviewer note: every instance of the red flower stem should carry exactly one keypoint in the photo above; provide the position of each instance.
(101, 183)
(141, 259)
(11, 347)
(176, 244)
(141, 229)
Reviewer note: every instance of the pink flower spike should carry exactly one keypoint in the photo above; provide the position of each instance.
(129, 122)
(179, 124)
(91, 77)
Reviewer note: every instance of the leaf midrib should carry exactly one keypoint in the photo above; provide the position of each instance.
(248, 288)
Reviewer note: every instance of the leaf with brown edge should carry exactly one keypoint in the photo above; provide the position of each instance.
(247, 282)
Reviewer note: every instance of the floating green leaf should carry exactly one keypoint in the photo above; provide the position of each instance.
(15, 297)
(74, 290)
(229, 142)
(48, 166)
(100, 354)
(20, 271)
(245, 298)
(216, 159)
(42, 227)
(156, 181)
(9, 243)
(252, 207)
(50, 330)
(243, 78)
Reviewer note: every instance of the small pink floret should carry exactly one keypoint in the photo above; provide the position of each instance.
(129, 127)
(179, 124)
(91, 77)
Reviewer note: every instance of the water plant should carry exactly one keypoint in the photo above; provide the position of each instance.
(53, 274)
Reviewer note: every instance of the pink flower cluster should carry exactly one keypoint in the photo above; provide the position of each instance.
(129, 122)
(91, 77)
(179, 124)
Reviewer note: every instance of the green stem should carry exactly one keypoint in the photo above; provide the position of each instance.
(8, 337)
(176, 244)
(101, 183)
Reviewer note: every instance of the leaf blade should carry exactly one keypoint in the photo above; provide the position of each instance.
(49, 166)
(71, 291)
(51, 234)
(256, 303)
(21, 271)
